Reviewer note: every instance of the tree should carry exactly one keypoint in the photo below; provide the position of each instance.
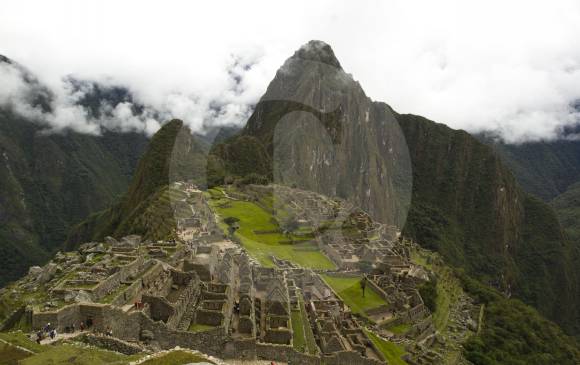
(289, 225)
(233, 225)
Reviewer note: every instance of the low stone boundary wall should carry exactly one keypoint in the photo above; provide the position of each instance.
(110, 343)
(378, 290)
(215, 342)
(12, 319)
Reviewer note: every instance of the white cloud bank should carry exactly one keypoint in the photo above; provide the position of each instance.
(511, 67)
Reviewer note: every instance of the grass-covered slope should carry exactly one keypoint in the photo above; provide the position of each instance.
(253, 219)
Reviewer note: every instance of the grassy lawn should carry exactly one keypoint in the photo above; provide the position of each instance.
(11, 355)
(298, 338)
(196, 327)
(400, 328)
(22, 340)
(261, 246)
(449, 288)
(76, 355)
(349, 290)
(176, 358)
(311, 345)
(390, 351)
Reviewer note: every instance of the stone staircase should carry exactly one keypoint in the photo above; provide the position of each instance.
(187, 318)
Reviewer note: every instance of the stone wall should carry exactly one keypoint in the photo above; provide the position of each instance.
(112, 282)
(12, 318)
(189, 294)
(378, 290)
(129, 326)
(350, 358)
(129, 295)
(110, 343)
(159, 308)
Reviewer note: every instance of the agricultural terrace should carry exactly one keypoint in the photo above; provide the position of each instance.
(349, 290)
(253, 222)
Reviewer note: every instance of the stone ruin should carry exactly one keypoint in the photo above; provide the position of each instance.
(204, 292)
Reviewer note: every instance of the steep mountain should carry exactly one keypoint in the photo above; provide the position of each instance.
(147, 208)
(49, 181)
(316, 129)
(545, 169)
(468, 206)
(567, 207)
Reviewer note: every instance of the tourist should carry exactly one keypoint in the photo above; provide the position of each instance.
(38, 337)
(82, 326)
(363, 285)
(72, 328)
(52, 334)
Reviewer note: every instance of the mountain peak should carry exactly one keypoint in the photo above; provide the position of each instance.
(317, 51)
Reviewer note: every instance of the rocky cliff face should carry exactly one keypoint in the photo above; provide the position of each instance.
(321, 132)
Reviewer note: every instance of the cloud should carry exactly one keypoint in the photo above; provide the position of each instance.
(510, 67)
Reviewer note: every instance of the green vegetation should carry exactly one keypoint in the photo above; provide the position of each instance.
(349, 290)
(51, 181)
(11, 355)
(253, 218)
(176, 358)
(400, 329)
(390, 351)
(196, 327)
(515, 334)
(172, 155)
(298, 337)
(567, 207)
(448, 291)
(459, 187)
(447, 287)
(544, 168)
(428, 291)
(22, 340)
(78, 355)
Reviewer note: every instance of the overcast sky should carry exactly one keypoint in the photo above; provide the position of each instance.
(509, 66)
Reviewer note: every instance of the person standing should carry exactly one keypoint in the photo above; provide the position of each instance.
(363, 285)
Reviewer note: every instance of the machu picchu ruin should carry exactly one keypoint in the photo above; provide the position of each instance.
(210, 289)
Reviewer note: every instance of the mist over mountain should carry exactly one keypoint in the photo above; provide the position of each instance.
(470, 199)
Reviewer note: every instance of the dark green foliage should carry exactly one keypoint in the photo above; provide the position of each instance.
(548, 266)
(242, 156)
(49, 182)
(468, 207)
(428, 291)
(173, 154)
(567, 207)
(545, 169)
(230, 221)
(289, 224)
(515, 334)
